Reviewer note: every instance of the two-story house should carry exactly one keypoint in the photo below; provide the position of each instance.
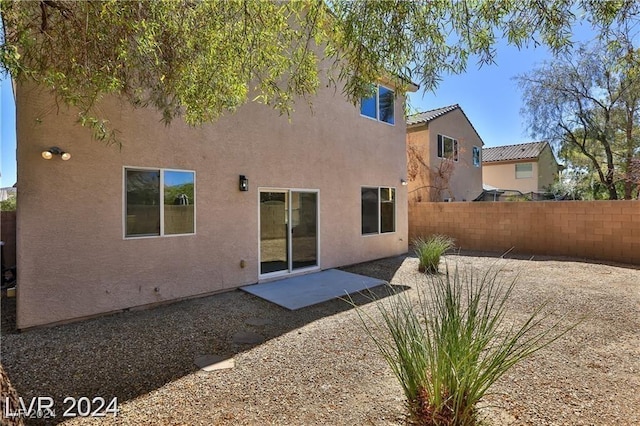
(183, 211)
(444, 156)
(526, 167)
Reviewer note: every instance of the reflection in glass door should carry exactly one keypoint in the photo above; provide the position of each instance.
(274, 233)
(288, 230)
(304, 242)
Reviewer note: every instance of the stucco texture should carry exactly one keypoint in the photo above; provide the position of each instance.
(502, 175)
(73, 258)
(463, 181)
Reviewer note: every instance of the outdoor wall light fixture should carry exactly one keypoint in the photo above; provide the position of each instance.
(54, 150)
(403, 182)
(244, 183)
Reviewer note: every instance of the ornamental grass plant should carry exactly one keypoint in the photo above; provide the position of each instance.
(429, 250)
(450, 341)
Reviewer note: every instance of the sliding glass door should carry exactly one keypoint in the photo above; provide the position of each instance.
(288, 230)
(304, 229)
(274, 234)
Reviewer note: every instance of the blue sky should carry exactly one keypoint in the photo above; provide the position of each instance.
(488, 95)
(7, 135)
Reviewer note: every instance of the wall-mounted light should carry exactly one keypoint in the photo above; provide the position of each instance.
(54, 150)
(403, 182)
(244, 183)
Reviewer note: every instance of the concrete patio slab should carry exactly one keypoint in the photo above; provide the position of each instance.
(305, 290)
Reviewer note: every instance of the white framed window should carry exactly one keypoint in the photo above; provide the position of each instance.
(158, 202)
(524, 170)
(476, 156)
(378, 210)
(380, 105)
(447, 148)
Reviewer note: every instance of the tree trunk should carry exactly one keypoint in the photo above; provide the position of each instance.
(628, 184)
(9, 401)
(628, 190)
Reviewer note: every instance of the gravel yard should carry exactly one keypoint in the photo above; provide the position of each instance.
(316, 366)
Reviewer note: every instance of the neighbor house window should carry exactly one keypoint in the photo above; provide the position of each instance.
(380, 105)
(447, 148)
(378, 210)
(159, 202)
(476, 156)
(524, 170)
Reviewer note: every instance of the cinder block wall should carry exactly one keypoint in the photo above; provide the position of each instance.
(599, 230)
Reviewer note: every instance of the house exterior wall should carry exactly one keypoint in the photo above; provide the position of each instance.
(465, 182)
(599, 230)
(547, 169)
(502, 175)
(73, 259)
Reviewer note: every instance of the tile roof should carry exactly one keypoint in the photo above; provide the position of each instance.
(427, 116)
(520, 151)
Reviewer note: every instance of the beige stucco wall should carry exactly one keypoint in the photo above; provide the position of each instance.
(465, 182)
(72, 257)
(502, 175)
(547, 169)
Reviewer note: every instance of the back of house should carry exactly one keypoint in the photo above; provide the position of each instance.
(444, 156)
(180, 211)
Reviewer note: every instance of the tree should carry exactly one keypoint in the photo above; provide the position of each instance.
(633, 177)
(586, 102)
(201, 59)
(433, 180)
(9, 400)
(9, 204)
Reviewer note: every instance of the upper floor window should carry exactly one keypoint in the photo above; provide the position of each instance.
(524, 170)
(380, 106)
(159, 202)
(476, 156)
(447, 148)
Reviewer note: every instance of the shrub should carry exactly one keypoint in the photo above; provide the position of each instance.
(448, 347)
(9, 204)
(430, 250)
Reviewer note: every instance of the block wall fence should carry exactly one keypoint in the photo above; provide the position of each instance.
(598, 230)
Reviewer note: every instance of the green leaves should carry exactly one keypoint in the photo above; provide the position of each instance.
(450, 340)
(587, 102)
(206, 58)
(429, 250)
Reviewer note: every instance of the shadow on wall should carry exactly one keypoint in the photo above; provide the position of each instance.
(133, 353)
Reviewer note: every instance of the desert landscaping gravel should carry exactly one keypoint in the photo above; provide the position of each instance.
(315, 366)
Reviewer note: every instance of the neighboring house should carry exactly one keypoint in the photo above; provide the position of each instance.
(526, 167)
(444, 156)
(183, 211)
